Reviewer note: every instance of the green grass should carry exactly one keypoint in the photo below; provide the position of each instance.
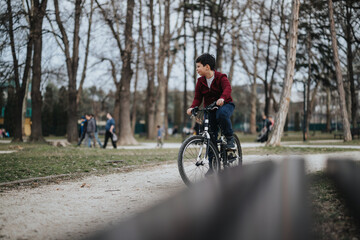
(355, 142)
(288, 136)
(293, 150)
(39, 160)
(331, 217)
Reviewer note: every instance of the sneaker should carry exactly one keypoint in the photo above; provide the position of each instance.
(230, 143)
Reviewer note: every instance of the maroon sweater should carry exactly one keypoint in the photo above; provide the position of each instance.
(220, 88)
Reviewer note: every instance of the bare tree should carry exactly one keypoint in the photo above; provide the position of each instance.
(20, 84)
(166, 55)
(36, 98)
(164, 51)
(87, 50)
(251, 67)
(72, 64)
(149, 58)
(340, 83)
(280, 118)
(126, 136)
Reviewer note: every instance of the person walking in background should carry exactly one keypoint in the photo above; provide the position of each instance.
(160, 142)
(110, 130)
(82, 123)
(90, 130)
(83, 128)
(96, 134)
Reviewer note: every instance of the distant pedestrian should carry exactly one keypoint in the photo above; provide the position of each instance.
(83, 127)
(160, 131)
(82, 123)
(96, 134)
(109, 130)
(270, 123)
(90, 130)
(263, 136)
(267, 126)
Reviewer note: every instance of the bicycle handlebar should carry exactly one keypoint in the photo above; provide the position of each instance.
(210, 107)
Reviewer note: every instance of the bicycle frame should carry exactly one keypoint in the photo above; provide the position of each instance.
(219, 142)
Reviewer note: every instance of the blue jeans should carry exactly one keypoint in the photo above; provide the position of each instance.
(221, 118)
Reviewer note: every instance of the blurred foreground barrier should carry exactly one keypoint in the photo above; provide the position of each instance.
(259, 201)
(346, 174)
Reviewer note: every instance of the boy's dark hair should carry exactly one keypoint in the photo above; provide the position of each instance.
(206, 58)
(158, 126)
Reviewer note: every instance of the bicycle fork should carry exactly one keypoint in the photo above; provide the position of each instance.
(200, 161)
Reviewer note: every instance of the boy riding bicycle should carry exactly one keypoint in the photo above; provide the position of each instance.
(214, 86)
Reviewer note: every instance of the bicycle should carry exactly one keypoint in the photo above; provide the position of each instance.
(198, 153)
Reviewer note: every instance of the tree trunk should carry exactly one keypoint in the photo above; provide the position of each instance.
(328, 109)
(266, 85)
(253, 107)
(117, 108)
(36, 98)
(150, 69)
(340, 83)
(280, 118)
(350, 70)
(126, 135)
(310, 107)
(185, 104)
(308, 85)
(275, 104)
(134, 105)
(163, 54)
(72, 63)
(83, 75)
(19, 88)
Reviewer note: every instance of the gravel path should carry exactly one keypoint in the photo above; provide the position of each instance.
(73, 209)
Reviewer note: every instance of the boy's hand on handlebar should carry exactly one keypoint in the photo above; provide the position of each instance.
(220, 102)
(189, 111)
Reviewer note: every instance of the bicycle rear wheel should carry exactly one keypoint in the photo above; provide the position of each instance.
(235, 157)
(192, 163)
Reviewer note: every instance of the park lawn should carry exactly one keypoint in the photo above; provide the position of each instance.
(40, 160)
(247, 137)
(244, 137)
(293, 150)
(331, 217)
(355, 142)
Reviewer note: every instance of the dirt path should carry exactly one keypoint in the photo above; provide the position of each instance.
(72, 209)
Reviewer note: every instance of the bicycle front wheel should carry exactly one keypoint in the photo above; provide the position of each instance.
(193, 162)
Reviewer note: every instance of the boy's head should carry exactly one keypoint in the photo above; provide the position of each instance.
(205, 61)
